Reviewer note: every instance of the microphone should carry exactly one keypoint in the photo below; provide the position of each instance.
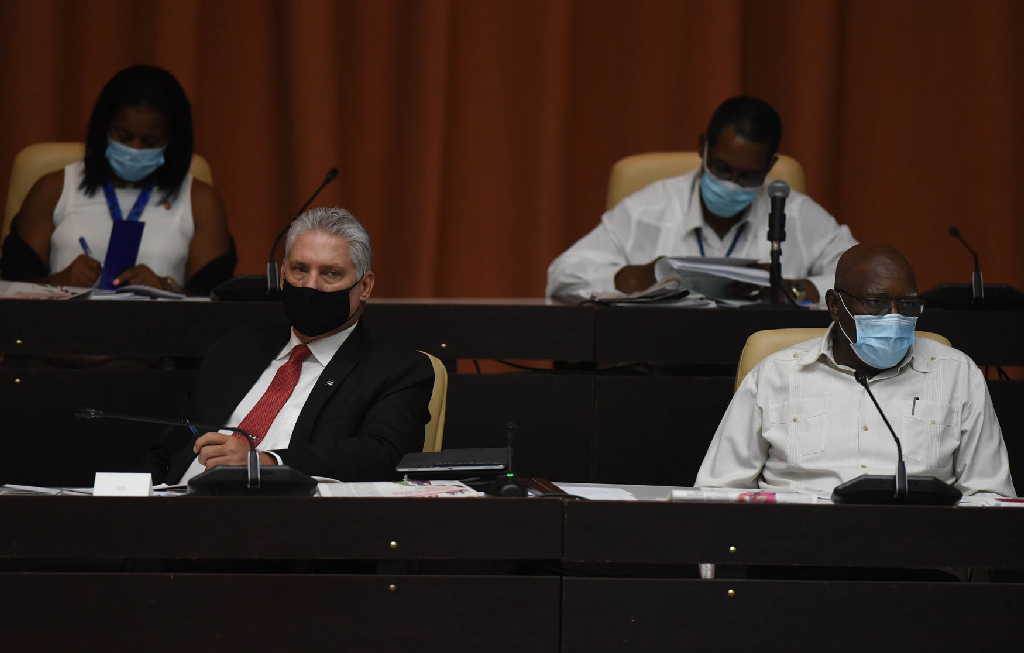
(273, 281)
(508, 486)
(977, 283)
(224, 480)
(875, 489)
(778, 191)
(901, 466)
(252, 287)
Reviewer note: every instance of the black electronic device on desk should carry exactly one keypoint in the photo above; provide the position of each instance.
(487, 470)
(977, 294)
(453, 464)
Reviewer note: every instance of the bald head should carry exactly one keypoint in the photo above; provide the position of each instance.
(866, 270)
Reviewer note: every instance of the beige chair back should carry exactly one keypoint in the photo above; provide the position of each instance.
(43, 158)
(632, 173)
(763, 343)
(433, 432)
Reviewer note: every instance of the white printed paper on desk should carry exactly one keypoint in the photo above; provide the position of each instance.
(117, 484)
(26, 290)
(421, 489)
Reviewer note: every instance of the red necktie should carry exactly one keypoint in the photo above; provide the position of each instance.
(262, 415)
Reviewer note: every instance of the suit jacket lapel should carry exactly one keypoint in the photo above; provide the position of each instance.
(246, 373)
(330, 381)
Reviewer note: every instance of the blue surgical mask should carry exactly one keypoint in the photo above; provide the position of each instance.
(133, 164)
(882, 340)
(724, 198)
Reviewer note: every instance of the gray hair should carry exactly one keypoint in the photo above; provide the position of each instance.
(337, 222)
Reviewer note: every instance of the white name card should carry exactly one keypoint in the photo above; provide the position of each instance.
(114, 484)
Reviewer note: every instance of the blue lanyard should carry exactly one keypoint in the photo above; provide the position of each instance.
(735, 239)
(137, 208)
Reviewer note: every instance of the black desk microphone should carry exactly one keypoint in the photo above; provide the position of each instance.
(507, 485)
(877, 489)
(901, 466)
(261, 288)
(977, 283)
(273, 281)
(227, 479)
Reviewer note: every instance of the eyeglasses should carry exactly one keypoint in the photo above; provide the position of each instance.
(908, 306)
(747, 179)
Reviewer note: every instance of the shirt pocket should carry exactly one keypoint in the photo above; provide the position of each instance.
(804, 422)
(924, 430)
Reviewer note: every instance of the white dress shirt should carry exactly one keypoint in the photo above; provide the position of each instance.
(279, 435)
(800, 421)
(664, 218)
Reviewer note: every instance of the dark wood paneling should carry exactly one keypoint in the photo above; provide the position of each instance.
(689, 336)
(42, 442)
(124, 328)
(655, 430)
(554, 414)
(767, 616)
(272, 612)
(698, 336)
(826, 535)
(69, 527)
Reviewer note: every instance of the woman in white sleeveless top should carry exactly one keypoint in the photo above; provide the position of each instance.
(139, 149)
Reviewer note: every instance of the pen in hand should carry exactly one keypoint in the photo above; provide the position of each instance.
(85, 246)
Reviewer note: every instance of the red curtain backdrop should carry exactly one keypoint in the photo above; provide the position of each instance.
(474, 137)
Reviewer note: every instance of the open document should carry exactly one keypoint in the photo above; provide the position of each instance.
(693, 281)
(711, 277)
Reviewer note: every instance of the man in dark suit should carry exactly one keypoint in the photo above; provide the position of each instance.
(316, 393)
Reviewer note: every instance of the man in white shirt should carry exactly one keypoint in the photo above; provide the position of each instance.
(316, 393)
(800, 421)
(719, 210)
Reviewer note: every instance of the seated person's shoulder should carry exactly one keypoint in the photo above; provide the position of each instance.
(933, 351)
(794, 354)
(42, 198)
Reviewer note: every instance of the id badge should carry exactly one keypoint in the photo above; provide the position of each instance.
(122, 250)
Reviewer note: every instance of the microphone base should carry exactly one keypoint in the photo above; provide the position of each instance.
(231, 481)
(880, 490)
(247, 288)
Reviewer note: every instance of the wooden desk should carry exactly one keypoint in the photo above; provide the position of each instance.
(269, 574)
(654, 611)
(191, 573)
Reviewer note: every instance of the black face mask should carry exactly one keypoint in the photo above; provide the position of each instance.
(313, 312)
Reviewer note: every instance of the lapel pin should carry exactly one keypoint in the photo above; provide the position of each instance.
(330, 382)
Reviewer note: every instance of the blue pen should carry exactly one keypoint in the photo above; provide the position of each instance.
(85, 246)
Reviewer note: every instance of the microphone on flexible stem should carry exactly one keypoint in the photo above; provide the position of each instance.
(254, 287)
(273, 280)
(224, 479)
(977, 283)
(778, 191)
(875, 489)
(901, 466)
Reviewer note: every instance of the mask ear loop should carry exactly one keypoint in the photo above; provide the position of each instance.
(839, 324)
